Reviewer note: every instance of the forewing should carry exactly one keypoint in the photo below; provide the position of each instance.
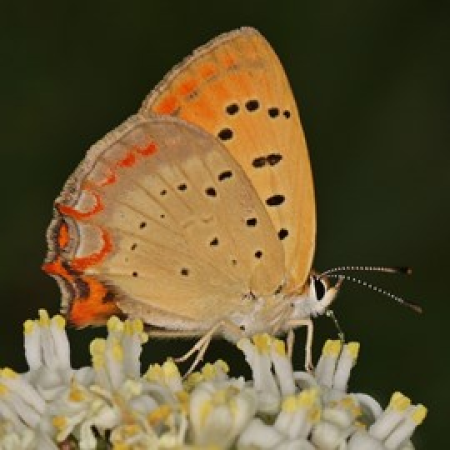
(235, 88)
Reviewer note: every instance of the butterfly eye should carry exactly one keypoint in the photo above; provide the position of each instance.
(319, 288)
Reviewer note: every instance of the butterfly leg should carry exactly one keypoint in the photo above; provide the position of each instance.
(202, 344)
(290, 340)
(200, 348)
(308, 323)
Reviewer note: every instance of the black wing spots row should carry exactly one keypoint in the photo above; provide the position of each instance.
(254, 105)
(272, 159)
(250, 106)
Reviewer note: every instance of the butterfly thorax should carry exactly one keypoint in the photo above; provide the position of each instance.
(270, 314)
(278, 313)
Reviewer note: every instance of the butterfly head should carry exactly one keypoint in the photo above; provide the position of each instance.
(319, 294)
(322, 292)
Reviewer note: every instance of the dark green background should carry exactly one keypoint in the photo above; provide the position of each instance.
(372, 79)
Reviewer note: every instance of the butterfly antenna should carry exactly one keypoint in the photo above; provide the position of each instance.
(400, 269)
(394, 297)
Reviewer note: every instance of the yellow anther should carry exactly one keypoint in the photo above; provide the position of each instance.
(307, 398)
(138, 326)
(289, 404)
(350, 405)
(192, 380)
(347, 402)
(205, 411)
(279, 347)
(98, 361)
(154, 373)
(130, 430)
(332, 348)
(28, 326)
(76, 395)
(183, 399)
(59, 321)
(219, 397)
(262, 342)
(133, 387)
(97, 346)
(120, 446)
(170, 369)
(3, 389)
(353, 349)
(114, 324)
(357, 411)
(326, 347)
(127, 327)
(44, 319)
(9, 373)
(419, 414)
(209, 371)
(117, 351)
(222, 365)
(59, 422)
(314, 415)
(399, 402)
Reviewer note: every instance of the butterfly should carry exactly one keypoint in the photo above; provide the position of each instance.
(197, 214)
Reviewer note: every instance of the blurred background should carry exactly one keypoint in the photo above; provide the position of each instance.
(372, 80)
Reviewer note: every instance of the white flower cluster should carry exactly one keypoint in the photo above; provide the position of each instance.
(54, 406)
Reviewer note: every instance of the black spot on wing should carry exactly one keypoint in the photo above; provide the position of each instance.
(275, 200)
(225, 175)
(225, 134)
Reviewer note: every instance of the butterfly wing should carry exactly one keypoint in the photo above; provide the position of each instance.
(235, 88)
(160, 220)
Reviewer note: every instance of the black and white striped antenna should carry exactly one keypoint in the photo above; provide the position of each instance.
(337, 273)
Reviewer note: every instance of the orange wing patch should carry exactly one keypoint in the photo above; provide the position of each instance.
(87, 300)
(90, 301)
(167, 105)
(148, 150)
(80, 264)
(128, 161)
(96, 308)
(63, 236)
(75, 214)
(208, 71)
(188, 87)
